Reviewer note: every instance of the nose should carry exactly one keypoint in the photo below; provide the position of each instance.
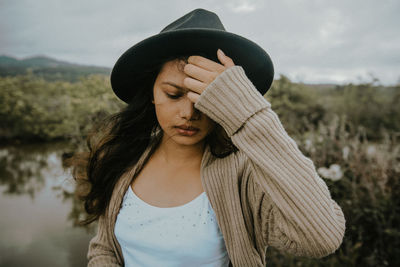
(188, 111)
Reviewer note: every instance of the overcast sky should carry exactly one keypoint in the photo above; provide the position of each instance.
(312, 41)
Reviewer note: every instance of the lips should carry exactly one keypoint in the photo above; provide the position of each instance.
(187, 130)
(190, 128)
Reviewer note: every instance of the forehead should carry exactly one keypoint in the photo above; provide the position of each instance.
(172, 74)
(173, 67)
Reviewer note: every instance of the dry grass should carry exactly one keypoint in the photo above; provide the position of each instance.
(363, 177)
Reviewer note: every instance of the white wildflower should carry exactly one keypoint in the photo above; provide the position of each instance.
(334, 172)
(371, 150)
(345, 152)
(308, 144)
(324, 172)
(3, 153)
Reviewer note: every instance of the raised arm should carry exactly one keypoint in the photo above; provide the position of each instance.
(296, 211)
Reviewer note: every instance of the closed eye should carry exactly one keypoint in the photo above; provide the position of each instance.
(174, 96)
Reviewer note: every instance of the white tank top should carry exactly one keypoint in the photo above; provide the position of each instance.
(186, 235)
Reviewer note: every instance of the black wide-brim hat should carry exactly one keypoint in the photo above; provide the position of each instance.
(199, 32)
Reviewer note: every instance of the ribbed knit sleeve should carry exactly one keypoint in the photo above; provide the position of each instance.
(297, 213)
(100, 252)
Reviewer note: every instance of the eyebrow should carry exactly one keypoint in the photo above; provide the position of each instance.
(180, 88)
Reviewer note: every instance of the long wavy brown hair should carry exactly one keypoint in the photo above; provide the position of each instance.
(116, 144)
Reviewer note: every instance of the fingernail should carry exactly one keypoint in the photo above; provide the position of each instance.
(221, 52)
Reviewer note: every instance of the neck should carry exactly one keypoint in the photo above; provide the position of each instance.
(178, 155)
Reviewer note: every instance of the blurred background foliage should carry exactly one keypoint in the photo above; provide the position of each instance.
(32, 108)
(351, 132)
(368, 105)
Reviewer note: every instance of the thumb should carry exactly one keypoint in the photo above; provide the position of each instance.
(225, 60)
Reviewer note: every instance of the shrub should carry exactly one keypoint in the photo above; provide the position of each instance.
(32, 108)
(368, 192)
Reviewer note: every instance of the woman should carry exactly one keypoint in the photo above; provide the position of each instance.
(198, 170)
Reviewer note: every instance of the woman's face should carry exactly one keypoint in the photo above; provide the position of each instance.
(178, 118)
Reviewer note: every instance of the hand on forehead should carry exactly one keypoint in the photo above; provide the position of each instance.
(205, 63)
(203, 71)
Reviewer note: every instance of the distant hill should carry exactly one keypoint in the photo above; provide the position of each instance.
(47, 68)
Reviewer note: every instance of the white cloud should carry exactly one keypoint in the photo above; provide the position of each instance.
(243, 6)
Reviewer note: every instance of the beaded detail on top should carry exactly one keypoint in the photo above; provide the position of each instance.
(185, 235)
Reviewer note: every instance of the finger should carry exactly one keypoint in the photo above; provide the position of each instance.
(224, 59)
(200, 74)
(206, 64)
(193, 96)
(194, 85)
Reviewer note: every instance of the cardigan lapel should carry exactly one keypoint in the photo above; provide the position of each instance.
(222, 185)
(116, 200)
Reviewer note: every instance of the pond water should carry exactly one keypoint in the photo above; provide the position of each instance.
(38, 209)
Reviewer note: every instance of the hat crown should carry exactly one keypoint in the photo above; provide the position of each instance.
(200, 32)
(197, 19)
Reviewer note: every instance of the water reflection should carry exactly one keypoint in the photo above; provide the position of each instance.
(21, 172)
(39, 210)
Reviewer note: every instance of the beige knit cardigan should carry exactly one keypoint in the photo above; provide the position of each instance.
(265, 194)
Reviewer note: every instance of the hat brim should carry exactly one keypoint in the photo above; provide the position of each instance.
(255, 61)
